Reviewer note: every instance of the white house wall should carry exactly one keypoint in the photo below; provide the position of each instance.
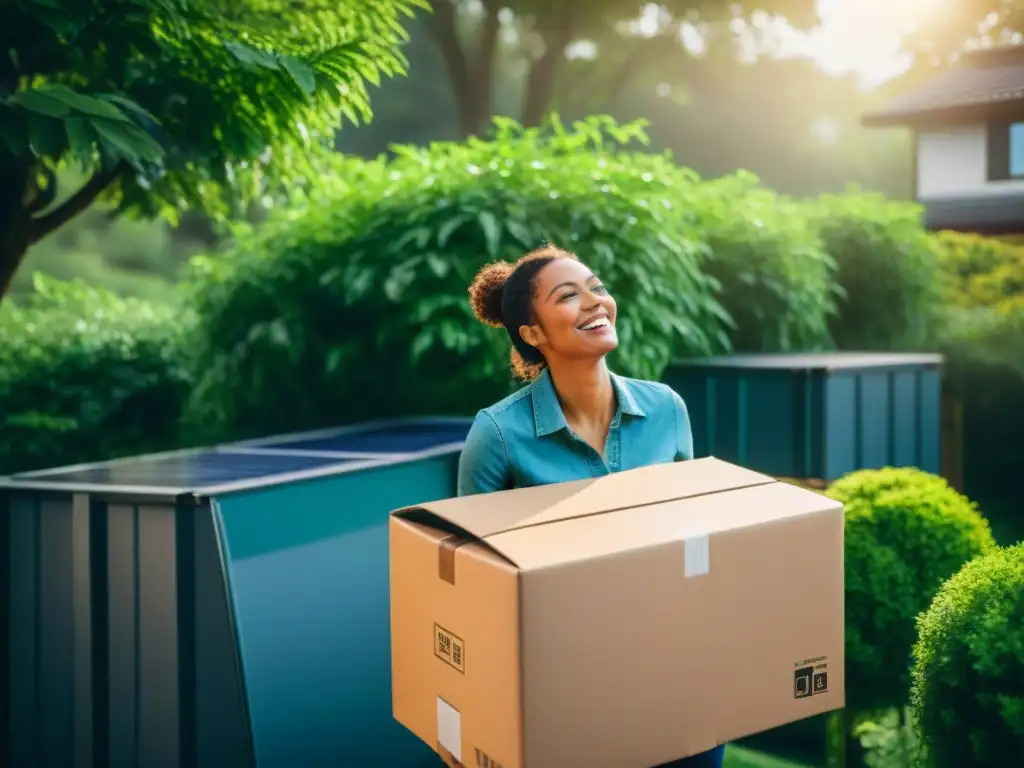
(953, 163)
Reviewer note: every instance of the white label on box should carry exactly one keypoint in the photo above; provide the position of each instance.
(697, 556)
(449, 728)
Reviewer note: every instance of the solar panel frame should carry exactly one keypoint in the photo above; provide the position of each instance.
(338, 462)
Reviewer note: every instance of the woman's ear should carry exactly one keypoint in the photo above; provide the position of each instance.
(532, 335)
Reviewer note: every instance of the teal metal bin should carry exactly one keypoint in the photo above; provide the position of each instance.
(815, 416)
(216, 608)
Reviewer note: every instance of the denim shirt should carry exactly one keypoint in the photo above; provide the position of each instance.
(524, 439)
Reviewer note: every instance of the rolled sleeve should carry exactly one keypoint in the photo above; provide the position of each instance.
(684, 435)
(483, 465)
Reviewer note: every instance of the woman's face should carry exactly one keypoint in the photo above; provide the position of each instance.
(574, 313)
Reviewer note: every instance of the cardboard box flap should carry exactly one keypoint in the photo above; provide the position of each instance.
(484, 515)
(654, 484)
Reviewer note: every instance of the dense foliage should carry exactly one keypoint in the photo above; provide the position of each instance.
(968, 693)
(355, 306)
(983, 340)
(86, 375)
(981, 271)
(887, 269)
(776, 279)
(171, 103)
(906, 533)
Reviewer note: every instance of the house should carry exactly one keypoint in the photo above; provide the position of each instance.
(968, 128)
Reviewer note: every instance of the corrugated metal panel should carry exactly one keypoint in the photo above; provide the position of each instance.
(120, 642)
(817, 415)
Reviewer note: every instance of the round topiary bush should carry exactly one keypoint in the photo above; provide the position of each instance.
(868, 484)
(354, 305)
(968, 675)
(906, 533)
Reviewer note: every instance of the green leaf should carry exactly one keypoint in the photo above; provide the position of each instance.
(301, 73)
(492, 232)
(79, 102)
(251, 56)
(129, 106)
(81, 140)
(42, 103)
(128, 141)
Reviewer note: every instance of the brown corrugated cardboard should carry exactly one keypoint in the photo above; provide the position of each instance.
(620, 622)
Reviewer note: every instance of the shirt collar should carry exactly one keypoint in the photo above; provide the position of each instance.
(547, 411)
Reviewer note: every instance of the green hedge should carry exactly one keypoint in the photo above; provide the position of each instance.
(906, 533)
(983, 340)
(777, 281)
(888, 272)
(968, 696)
(355, 306)
(980, 271)
(86, 375)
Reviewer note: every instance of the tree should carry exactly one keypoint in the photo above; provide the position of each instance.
(172, 104)
(941, 30)
(469, 34)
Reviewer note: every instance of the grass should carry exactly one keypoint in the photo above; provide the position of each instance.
(739, 757)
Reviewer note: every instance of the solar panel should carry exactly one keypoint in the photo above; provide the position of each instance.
(191, 471)
(393, 438)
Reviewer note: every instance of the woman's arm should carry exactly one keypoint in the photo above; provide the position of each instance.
(483, 466)
(684, 436)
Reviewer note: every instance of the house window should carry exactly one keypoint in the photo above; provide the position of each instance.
(1016, 142)
(1005, 151)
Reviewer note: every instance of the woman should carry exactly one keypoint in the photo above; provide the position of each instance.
(575, 419)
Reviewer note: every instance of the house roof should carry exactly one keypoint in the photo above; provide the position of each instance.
(982, 83)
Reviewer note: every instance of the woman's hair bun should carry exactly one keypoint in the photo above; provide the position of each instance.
(485, 292)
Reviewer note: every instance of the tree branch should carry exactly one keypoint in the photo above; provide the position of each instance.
(39, 227)
(540, 82)
(445, 31)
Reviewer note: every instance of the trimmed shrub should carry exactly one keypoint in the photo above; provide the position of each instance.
(868, 484)
(968, 675)
(906, 532)
(980, 271)
(776, 279)
(888, 271)
(86, 375)
(354, 306)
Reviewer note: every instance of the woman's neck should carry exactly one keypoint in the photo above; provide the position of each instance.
(585, 392)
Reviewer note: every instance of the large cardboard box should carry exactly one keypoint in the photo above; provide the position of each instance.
(620, 622)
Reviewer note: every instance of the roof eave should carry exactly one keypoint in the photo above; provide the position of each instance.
(950, 115)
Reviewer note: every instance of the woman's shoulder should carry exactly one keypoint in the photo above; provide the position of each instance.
(509, 411)
(649, 396)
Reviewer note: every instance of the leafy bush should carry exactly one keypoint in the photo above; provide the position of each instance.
(980, 271)
(776, 278)
(355, 306)
(906, 532)
(968, 689)
(887, 269)
(86, 375)
(868, 484)
(983, 341)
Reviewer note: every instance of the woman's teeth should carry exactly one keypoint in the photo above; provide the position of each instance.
(599, 323)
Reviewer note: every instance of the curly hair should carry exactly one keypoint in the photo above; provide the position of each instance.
(501, 296)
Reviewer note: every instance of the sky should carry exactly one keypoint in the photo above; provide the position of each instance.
(863, 36)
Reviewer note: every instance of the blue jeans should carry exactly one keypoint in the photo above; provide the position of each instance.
(711, 759)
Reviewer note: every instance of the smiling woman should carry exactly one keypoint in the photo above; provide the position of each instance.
(575, 419)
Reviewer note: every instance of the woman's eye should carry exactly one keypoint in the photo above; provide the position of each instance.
(567, 296)
(600, 289)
